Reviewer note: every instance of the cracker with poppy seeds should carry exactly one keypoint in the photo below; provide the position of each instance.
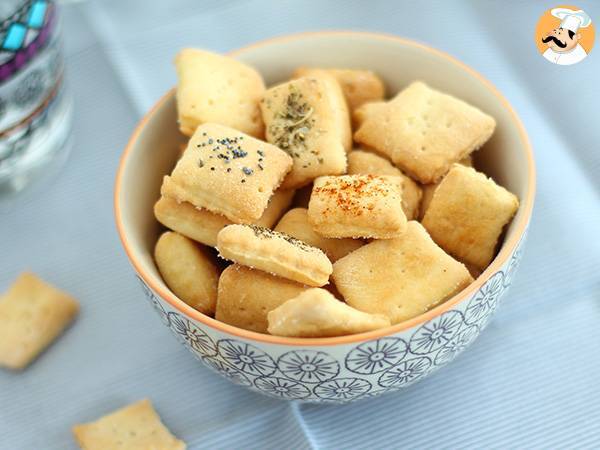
(424, 131)
(317, 313)
(33, 314)
(275, 253)
(361, 162)
(189, 270)
(400, 278)
(228, 173)
(356, 206)
(134, 427)
(295, 223)
(212, 88)
(308, 118)
(247, 295)
(467, 215)
(203, 226)
(359, 86)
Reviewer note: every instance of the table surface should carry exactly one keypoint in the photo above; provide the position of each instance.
(531, 379)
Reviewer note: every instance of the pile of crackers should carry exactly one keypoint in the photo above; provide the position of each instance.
(340, 211)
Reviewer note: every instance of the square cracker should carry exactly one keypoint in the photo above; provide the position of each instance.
(134, 427)
(359, 86)
(218, 89)
(365, 163)
(425, 131)
(308, 118)
(32, 315)
(228, 173)
(467, 214)
(317, 313)
(357, 206)
(203, 226)
(400, 278)
(274, 252)
(360, 114)
(247, 295)
(295, 223)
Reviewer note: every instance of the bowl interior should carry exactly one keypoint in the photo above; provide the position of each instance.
(154, 147)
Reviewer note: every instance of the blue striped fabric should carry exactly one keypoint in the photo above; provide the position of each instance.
(531, 379)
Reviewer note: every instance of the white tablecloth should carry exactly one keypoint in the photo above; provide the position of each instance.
(530, 381)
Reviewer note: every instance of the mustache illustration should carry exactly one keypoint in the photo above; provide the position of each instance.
(556, 41)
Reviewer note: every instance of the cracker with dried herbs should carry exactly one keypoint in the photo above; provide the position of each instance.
(308, 119)
(274, 252)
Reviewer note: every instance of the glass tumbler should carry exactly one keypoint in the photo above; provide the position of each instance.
(35, 110)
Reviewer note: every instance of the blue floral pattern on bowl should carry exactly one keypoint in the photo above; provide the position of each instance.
(346, 372)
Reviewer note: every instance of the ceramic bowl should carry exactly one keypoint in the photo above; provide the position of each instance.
(347, 368)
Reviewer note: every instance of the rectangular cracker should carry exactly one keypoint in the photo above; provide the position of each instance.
(218, 89)
(308, 119)
(32, 315)
(400, 278)
(425, 131)
(247, 295)
(134, 427)
(359, 86)
(295, 223)
(275, 253)
(357, 206)
(467, 214)
(203, 226)
(228, 173)
(364, 163)
(317, 313)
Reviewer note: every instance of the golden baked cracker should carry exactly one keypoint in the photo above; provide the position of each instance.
(134, 427)
(360, 114)
(295, 223)
(217, 89)
(317, 313)
(400, 278)
(364, 163)
(189, 271)
(425, 131)
(429, 189)
(359, 86)
(32, 315)
(247, 295)
(228, 173)
(279, 203)
(357, 206)
(274, 252)
(307, 118)
(467, 214)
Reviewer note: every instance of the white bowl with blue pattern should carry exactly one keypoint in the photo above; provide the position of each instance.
(347, 368)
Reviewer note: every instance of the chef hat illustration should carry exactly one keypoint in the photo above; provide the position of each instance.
(572, 20)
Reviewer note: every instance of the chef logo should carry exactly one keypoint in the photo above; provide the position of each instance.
(565, 35)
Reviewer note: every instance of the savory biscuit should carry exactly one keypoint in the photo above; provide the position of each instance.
(308, 119)
(228, 173)
(425, 131)
(32, 315)
(467, 214)
(357, 206)
(400, 278)
(247, 295)
(359, 86)
(429, 189)
(213, 88)
(317, 313)
(189, 271)
(367, 163)
(134, 427)
(295, 223)
(279, 202)
(274, 252)
(360, 114)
